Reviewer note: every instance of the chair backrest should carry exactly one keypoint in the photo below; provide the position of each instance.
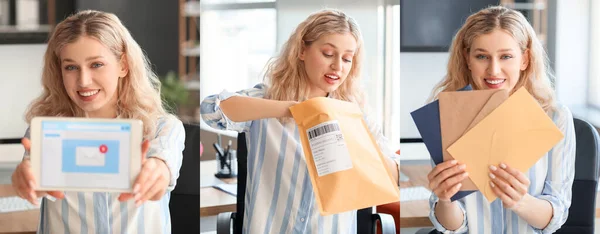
(242, 163)
(582, 212)
(187, 190)
(189, 181)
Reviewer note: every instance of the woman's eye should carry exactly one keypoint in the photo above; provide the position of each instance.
(327, 55)
(506, 57)
(481, 56)
(70, 67)
(97, 65)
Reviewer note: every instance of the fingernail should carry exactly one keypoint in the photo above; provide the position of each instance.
(502, 165)
(492, 176)
(493, 168)
(462, 166)
(465, 174)
(453, 162)
(492, 184)
(137, 196)
(136, 188)
(458, 185)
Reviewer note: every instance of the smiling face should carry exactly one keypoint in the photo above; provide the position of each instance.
(496, 60)
(328, 61)
(91, 73)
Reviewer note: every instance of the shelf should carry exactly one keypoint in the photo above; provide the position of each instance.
(191, 77)
(193, 85)
(190, 49)
(192, 81)
(191, 9)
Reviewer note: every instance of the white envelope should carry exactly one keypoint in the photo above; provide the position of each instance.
(89, 156)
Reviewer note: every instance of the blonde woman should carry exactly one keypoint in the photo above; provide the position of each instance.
(496, 48)
(321, 58)
(93, 68)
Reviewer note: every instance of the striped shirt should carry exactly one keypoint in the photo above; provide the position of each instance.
(279, 194)
(551, 179)
(101, 212)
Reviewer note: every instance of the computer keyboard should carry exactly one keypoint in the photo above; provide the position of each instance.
(414, 194)
(12, 204)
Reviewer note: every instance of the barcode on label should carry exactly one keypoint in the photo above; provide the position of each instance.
(322, 130)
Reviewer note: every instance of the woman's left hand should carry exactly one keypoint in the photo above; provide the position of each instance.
(509, 184)
(152, 182)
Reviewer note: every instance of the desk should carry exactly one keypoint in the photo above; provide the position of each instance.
(23, 222)
(416, 213)
(212, 200)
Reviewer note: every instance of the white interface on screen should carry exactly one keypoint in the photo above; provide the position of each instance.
(85, 155)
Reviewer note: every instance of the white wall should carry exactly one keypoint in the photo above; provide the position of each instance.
(572, 51)
(20, 83)
(419, 73)
(594, 70)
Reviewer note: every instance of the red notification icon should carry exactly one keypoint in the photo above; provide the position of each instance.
(103, 149)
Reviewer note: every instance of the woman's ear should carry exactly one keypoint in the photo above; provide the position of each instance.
(124, 67)
(525, 60)
(302, 51)
(467, 58)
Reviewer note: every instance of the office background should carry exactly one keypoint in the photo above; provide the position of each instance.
(234, 39)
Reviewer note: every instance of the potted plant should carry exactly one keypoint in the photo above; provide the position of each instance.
(173, 92)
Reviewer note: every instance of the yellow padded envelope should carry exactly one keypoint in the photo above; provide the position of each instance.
(462, 110)
(346, 167)
(517, 133)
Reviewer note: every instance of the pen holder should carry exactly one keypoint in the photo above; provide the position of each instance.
(227, 165)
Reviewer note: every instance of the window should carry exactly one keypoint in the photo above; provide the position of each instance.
(594, 70)
(237, 39)
(392, 128)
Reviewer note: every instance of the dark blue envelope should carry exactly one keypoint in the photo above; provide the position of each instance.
(427, 120)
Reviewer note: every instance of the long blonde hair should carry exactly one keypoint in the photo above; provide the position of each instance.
(138, 92)
(286, 75)
(536, 78)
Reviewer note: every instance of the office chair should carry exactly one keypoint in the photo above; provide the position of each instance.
(582, 212)
(187, 189)
(367, 221)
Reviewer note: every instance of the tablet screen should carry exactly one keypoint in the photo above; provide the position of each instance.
(85, 154)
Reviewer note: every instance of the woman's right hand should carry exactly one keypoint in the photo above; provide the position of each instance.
(24, 183)
(445, 179)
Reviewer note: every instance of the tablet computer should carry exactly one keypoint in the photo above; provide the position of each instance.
(85, 154)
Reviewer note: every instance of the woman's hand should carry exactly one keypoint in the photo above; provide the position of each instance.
(152, 182)
(509, 184)
(445, 179)
(24, 183)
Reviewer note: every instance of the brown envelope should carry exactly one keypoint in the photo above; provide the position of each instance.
(346, 167)
(461, 111)
(517, 133)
